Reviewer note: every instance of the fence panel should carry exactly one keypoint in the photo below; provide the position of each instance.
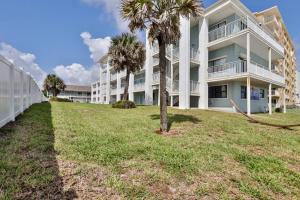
(18, 91)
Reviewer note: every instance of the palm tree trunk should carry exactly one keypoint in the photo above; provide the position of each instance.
(163, 90)
(125, 95)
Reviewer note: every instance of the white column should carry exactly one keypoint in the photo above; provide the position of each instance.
(131, 88)
(248, 51)
(284, 101)
(119, 87)
(248, 96)
(203, 73)
(12, 92)
(270, 85)
(107, 82)
(148, 73)
(270, 99)
(172, 77)
(184, 64)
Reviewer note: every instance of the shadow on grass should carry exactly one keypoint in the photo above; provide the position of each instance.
(177, 118)
(28, 166)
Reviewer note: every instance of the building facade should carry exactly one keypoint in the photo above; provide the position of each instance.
(274, 21)
(76, 93)
(95, 93)
(225, 54)
(298, 88)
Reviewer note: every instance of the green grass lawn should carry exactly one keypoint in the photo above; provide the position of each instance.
(65, 150)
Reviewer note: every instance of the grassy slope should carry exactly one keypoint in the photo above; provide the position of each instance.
(216, 155)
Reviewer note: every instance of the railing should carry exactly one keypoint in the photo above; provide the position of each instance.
(228, 29)
(176, 54)
(139, 86)
(155, 78)
(242, 24)
(113, 90)
(113, 76)
(175, 85)
(231, 68)
(103, 66)
(271, 18)
(155, 61)
(155, 48)
(123, 73)
(195, 55)
(194, 86)
(18, 91)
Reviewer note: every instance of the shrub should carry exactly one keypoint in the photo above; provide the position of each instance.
(291, 106)
(59, 99)
(124, 104)
(278, 110)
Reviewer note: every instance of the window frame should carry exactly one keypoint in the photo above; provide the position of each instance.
(226, 86)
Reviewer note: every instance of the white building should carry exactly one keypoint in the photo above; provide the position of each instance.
(298, 88)
(95, 92)
(226, 54)
(76, 93)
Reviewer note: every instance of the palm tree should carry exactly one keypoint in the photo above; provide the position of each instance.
(54, 84)
(161, 18)
(127, 53)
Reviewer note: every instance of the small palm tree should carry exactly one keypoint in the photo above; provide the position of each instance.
(127, 53)
(54, 84)
(162, 20)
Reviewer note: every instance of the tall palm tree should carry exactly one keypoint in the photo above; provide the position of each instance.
(54, 84)
(127, 53)
(162, 20)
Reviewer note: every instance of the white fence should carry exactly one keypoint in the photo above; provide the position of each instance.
(18, 91)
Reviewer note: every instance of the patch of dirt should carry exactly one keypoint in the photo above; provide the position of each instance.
(88, 182)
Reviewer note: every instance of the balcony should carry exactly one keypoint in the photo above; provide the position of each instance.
(113, 77)
(234, 69)
(113, 90)
(195, 55)
(194, 87)
(271, 19)
(155, 78)
(240, 25)
(140, 86)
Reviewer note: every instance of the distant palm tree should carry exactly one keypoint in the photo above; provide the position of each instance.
(53, 84)
(161, 18)
(127, 53)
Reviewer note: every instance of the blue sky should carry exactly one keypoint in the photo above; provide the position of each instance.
(49, 33)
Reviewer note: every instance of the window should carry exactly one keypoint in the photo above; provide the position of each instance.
(262, 94)
(243, 92)
(218, 91)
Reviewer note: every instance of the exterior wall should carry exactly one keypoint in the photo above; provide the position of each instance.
(273, 20)
(298, 89)
(233, 52)
(234, 93)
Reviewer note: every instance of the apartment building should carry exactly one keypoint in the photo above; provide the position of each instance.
(76, 93)
(274, 21)
(226, 54)
(95, 92)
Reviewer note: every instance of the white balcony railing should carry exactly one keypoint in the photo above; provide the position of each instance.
(240, 25)
(113, 76)
(139, 86)
(155, 61)
(194, 86)
(176, 54)
(175, 85)
(240, 67)
(155, 48)
(228, 29)
(113, 90)
(155, 78)
(195, 55)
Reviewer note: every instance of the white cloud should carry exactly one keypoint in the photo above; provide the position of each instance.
(98, 47)
(77, 74)
(112, 7)
(23, 60)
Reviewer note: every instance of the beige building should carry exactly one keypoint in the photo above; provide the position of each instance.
(273, 20)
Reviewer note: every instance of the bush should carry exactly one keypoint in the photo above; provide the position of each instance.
(124, 104)
(291, 106)
(59, 99)
(278, 110)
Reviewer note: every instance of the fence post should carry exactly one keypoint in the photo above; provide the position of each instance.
(12, 92)
(22, 91)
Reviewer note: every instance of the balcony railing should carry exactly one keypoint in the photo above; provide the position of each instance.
(175, 85)
(240, 67)
(155, 48)
(155, 61)
(139, 86)
(155, 78)
(240, 25)
(195, 55)
(194, 86)
(228, 29)
(176, 54)
(113, 76)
